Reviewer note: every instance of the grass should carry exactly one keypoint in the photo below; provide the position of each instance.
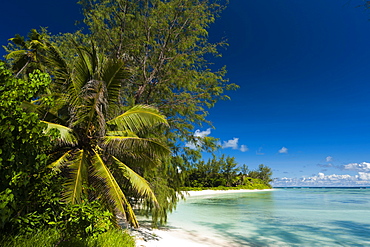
(52, 237)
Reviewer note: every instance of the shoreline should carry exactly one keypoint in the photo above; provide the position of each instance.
(216, 192)
(145, 236)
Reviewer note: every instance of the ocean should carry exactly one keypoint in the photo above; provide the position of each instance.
(281, 217)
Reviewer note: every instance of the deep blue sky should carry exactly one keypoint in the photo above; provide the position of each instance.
(303, 71)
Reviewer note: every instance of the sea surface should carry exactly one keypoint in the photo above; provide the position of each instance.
(282, 217)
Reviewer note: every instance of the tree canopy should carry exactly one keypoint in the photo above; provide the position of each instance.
(125, 95)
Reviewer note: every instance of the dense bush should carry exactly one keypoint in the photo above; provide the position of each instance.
(29, 193)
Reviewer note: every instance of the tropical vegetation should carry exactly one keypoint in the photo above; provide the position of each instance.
(93, 123)
(224, 173)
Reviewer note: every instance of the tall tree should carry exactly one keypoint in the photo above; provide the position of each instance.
(26, 54)
(165, 45)
(99, 139)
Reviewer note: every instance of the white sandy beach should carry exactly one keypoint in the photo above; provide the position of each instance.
(179, 237)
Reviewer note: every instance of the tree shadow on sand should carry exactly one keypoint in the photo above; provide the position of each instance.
(342, 233)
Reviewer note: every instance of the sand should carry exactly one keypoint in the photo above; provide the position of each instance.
(177, 237)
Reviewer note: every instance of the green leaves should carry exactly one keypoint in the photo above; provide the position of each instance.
(24, 147)
(88, 149)
(113, 190)
(79, 167)
(66, 136)
(140, 185)
(138, 118)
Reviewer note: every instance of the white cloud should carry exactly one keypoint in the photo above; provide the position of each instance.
(329, 159)
(231, 143)
(283, 150)
(191, 145)
(199, 135)
(202, 134)
(362, 179)
(364, 175)
(359, 167)
(234, 144)
(244, 148)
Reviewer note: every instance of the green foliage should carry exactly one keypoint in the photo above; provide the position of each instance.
(263, 173)
(165, 45)
(43, 238)
(27, 55)
(250, 184)
(112, 238)
(156, 52)
(213, 173)
(84, 220)
(53, 237)
(224, 173)
(27, 189)
(102, 146)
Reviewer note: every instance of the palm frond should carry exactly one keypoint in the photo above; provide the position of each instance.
(80, 75)
(16, 54)
(66, 134)
(114, 191)
(18, 40)
(92, 113)
(113, 72)
(62, 161)
(137, 182)
(78, 175)
(131, 143)
(137, 118)
(55, 60)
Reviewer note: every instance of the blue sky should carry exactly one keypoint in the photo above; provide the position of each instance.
(303, 105)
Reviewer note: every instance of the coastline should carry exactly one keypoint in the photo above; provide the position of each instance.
(213, 192)
(166, 237)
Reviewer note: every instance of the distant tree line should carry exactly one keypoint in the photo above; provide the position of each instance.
(224, 171)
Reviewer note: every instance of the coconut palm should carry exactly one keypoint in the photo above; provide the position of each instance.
(101, 146)
(27, 53)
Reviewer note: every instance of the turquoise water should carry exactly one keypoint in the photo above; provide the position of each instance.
(283, 217)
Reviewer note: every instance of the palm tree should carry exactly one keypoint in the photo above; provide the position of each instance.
(99, 141)
(27, 52)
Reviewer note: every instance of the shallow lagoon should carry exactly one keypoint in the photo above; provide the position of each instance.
(282, 217)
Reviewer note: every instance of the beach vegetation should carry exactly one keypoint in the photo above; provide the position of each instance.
(93, 124)
(99, 138)
(164, 45)
(51, 237)
(29, 191)
(224, 172)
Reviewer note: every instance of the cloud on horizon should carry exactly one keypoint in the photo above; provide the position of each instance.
(359, 167)
(322, 180)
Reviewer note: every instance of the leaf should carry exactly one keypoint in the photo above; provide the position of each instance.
(78, 173)
(63, 160)
(66, 134)
(113, 190)
(135, 144)
(138, 117)
(138, 183)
